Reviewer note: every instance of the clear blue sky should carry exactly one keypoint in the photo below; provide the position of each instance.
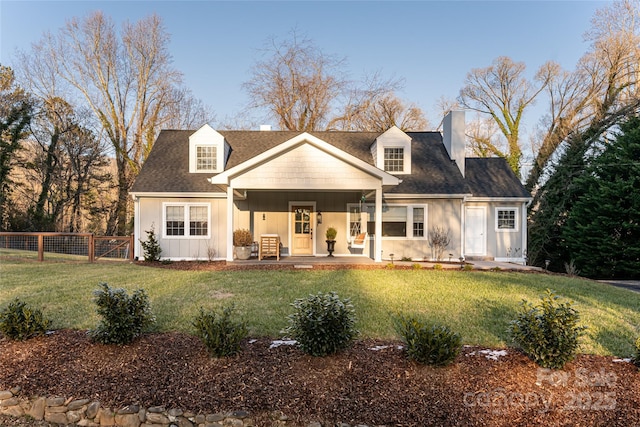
(430, 44)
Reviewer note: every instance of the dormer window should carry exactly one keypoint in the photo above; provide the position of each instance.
(208, 151)
(391, 152)
(206, 158)
(394, 159)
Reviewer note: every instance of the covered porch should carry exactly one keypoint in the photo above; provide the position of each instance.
(297, 190)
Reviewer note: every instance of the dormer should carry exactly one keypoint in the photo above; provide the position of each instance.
(392, 152)
(208, 151)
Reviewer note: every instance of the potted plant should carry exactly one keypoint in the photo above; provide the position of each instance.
(242, 241)
(331, 240)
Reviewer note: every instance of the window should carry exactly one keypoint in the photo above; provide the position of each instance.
(175, 221)
(418, 222)
(397, 220)
(394, 159)
(506, 219)
(206, 158)
(176, 216)
(198, 224)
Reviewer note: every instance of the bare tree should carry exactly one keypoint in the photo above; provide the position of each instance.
(305, 89)
(380, 111)
(605, 81)
(297, 84)
(502, 92)
(127, 81)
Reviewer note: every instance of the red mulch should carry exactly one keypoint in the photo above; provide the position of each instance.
(358, 386)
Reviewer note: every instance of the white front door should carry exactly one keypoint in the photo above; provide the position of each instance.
(302, 223)
(475, 231)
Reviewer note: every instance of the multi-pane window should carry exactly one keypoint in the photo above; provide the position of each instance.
(418, 222)
(198, 221)
(397, 220)
(394, 159)
(186, 220)
(506, 219)
(206, 158)
(174, 221)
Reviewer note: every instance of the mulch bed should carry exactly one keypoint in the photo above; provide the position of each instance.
(361, 385)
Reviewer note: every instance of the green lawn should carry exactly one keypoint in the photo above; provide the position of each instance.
(478, 305)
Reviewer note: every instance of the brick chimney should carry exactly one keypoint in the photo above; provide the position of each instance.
(453, 137)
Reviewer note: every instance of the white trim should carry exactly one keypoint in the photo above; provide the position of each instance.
(225, 177)
(390, 196)
(175, 195)
(186, 217)
(499, 199)
(408, 220)
(313, 225)
(516, 223)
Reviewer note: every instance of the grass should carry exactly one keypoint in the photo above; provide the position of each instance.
(478, 305)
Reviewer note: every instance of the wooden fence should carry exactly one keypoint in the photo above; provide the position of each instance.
(80, 244)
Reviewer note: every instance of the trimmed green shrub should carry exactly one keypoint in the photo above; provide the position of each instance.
(636, 357)
(219, 333)
(19, 322)
(124, 317)
(549, 332)
(429, 344)
(322, 324)
(151, 247)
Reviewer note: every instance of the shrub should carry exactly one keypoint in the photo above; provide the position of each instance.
(331, 233)
(636, 356)
(437, 266)
(438, 240)
(416, 266)
(124, 317)
(18, 321)
(467, 267)
(242, 237)
(549, 332)
(219, 333)
(151, 247)
(322, 324)
(429, 344)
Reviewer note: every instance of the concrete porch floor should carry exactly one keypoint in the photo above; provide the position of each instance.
(310, 262)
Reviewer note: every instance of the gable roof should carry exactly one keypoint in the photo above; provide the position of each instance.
(492, 177)
(166, 169)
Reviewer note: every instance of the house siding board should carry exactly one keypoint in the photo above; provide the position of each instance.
(499, 243)
(185, 248)
(305, 167)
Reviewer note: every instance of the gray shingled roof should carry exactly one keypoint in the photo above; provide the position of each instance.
(492, 177)
(167, 167)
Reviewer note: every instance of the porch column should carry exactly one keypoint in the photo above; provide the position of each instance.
(137, 247)
(523, 219)
(229, 223)
(378, 226)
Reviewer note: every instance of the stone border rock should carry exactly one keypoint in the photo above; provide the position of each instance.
(90, 413)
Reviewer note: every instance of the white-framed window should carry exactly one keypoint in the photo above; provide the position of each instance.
(394, 159)
(182, 220)
(398, 221)
(507, 219)
(206, 158)
(418, 222)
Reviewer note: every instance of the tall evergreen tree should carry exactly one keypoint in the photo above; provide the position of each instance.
(602, 231)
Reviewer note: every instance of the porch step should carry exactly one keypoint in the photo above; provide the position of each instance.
(302, 266)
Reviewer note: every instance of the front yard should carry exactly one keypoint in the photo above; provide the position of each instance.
(371, 383)
(478, 305)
